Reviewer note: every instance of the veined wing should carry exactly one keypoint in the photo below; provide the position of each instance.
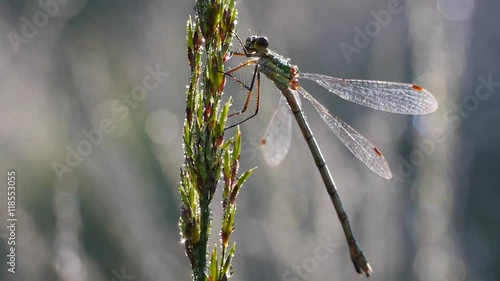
(276, 140)
(354, 141)
(392, 97)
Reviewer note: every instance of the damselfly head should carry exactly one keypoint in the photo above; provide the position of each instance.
(257, 44)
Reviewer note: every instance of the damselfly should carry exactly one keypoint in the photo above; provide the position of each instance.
(386, 96)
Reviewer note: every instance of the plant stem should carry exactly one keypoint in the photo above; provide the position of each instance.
(205, 220)
(208, 158)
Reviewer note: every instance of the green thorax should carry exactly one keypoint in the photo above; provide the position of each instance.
(277, 68)
(280, 64)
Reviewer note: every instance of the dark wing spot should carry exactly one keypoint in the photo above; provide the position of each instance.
(377, 151)
(263, 141)
(417, 88)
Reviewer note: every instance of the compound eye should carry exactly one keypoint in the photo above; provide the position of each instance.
(262, 42)
(250, 39)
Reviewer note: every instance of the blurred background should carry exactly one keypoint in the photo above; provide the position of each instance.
(92, 112)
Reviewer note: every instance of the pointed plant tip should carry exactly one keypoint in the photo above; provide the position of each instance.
(250, 171)
(220, 141)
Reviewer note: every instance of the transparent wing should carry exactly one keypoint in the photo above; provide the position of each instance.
(386, 96)
(355, 142)
(277, 137)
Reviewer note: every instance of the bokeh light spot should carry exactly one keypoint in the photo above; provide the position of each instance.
(162, 126)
